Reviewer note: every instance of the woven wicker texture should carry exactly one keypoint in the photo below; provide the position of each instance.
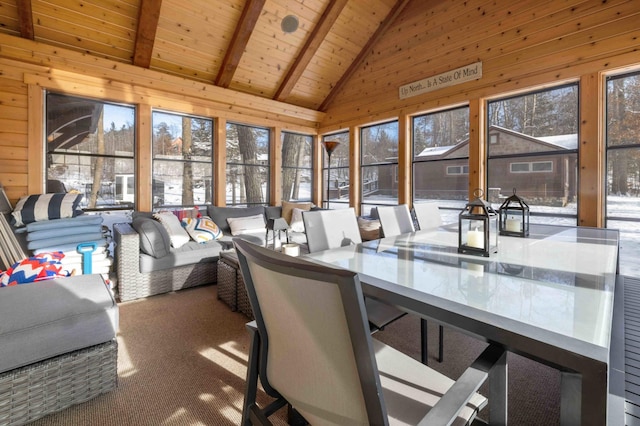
(132, 284)
(231, 271)
(228, 284)
(33, 391)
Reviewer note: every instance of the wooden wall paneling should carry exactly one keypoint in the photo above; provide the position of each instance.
(144, 159)
(220, 162)
(591, 151)
(405, 177)
(135, 77)
(592, 42)
(275, 178)
(9, 17)
(37, 166)
(69, 82)
(106, 33)
(355, 180)
(477, 147)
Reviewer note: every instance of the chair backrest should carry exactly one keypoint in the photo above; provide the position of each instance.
(327, 229)
(395, 220)
(427, 215)
(312, 323)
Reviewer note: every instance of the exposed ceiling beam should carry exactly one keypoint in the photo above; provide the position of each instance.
(25, 16)
(243, 31)
(384, 25)
(329, 17)
(148, 17)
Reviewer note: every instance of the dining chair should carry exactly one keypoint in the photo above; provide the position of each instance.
(327, 229)
(396, 220)
(303, 309)
(427, 215)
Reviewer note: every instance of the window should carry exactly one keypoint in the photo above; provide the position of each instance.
(247, 165)
(182, 160)
(457, 170)
(441, 160)
(297, 167)
(534, 166)
(379, 152)
(622, 182)
(90, 149)
(537, 153)
(336, 194)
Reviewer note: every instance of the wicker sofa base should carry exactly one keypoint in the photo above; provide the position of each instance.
(136, 285)
(132, 284)
(31, 392)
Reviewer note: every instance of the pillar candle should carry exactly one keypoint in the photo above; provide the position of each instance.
(514, 225)
(475, 239)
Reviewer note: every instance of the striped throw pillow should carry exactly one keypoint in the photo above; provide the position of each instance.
(36, 208)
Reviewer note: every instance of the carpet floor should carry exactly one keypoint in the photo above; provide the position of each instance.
(182, 360)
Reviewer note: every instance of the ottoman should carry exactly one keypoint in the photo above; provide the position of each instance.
(231, 289)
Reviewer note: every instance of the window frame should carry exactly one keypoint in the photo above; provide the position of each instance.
(93, 157)
(183, 161)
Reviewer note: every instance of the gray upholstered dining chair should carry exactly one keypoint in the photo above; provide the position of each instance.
(427, 215)
(327, 229)
(301, 310)
(396, 220)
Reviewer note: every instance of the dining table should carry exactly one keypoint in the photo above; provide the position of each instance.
(548, 296)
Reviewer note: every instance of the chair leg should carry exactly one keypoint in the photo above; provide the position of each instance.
(424, 345)
(252, 377)
(441, 342)
(424, 350)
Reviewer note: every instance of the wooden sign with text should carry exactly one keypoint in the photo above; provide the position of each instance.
(449, 78)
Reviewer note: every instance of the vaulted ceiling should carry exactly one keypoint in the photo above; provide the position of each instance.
(235, 44)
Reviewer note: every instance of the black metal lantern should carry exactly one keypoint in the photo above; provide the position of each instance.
(478, 228)
(514, 217)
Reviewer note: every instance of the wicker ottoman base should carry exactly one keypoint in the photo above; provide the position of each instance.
(31, 392)
(231, 289)
(228, 283)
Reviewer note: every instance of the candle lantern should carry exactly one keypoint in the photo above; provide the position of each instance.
(478, 228)
(514, 217)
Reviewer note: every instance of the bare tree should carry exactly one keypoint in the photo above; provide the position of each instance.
(249, 153)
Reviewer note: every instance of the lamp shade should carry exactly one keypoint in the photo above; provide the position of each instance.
(330, 146)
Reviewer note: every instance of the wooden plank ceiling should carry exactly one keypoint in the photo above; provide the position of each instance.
(236, 44)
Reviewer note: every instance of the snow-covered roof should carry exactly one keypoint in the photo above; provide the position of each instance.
(563, 141)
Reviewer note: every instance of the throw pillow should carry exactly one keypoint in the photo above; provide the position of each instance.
(297, 225)
(40, 267)
(171, 223)
(34, 208)
(202, 229)
(154, 238)
(247, 224)
(287, 209)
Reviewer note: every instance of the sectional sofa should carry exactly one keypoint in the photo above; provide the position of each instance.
(146, 264)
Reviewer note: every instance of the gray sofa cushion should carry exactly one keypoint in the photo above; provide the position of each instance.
(190, 253)
(154, 238)
(220, 214)
(50, 318)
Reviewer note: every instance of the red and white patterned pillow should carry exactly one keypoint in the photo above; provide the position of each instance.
(43, 266)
